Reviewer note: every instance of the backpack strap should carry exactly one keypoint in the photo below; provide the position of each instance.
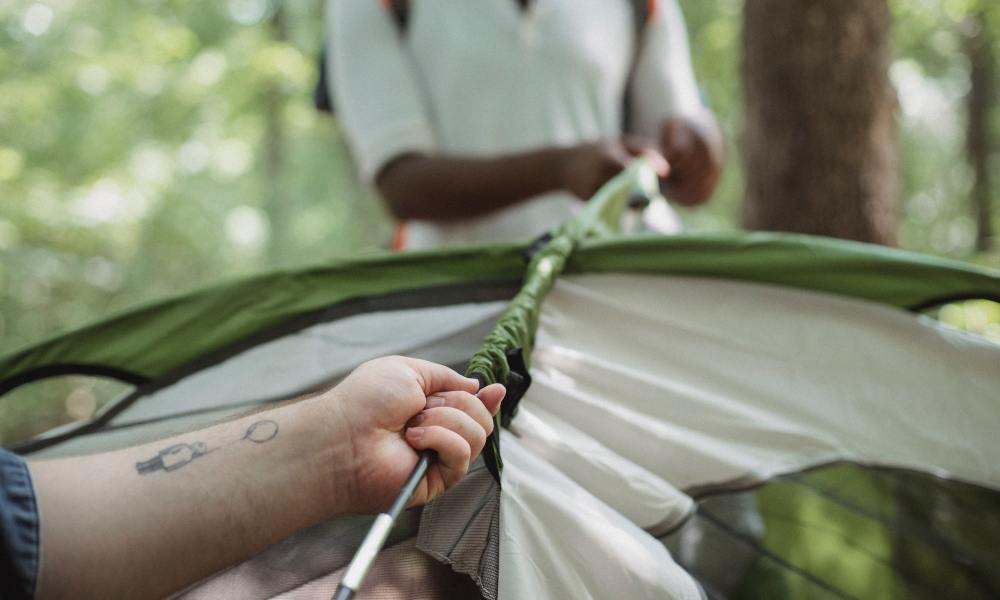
(642, 12)
(400, 12)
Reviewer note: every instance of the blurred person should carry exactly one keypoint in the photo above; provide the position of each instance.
(491, 120)
(150, 520)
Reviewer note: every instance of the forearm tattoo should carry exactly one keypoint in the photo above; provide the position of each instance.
(176, 456)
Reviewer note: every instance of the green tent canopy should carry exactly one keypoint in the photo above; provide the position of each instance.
(773, 409)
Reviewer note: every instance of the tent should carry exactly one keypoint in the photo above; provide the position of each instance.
(745, 415)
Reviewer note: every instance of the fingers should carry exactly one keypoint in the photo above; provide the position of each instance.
(453, 451)
(638, 147)
(467, 403)
(453, 419)
(438, 378)
(456, 425)
(469, 420)
(695, 148)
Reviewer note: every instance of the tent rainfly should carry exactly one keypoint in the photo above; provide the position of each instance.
(751, 415)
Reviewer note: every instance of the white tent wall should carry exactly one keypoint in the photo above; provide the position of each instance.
(674, 390)
(642, 497)
(559, 541)
(762, 380)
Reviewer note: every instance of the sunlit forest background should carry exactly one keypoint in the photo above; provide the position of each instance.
(151, 147)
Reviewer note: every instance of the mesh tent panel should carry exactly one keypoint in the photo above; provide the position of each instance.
(401, 573)
(846, 531)
(455, 554)
(462, 529)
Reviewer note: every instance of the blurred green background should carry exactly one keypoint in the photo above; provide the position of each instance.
(151, 147)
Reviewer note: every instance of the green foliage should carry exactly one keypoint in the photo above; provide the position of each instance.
(931, 75)
(136, 155)
(714, 29)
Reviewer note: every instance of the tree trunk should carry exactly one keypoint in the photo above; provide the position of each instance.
(979, 136)
(819, 145)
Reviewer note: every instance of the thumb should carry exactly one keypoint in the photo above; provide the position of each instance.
(637, 147)
(439, 378)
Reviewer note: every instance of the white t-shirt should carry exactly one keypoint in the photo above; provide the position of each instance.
(485, 77)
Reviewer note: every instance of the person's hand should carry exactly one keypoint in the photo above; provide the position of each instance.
(391, 408)
(586, 167)
(694, 148)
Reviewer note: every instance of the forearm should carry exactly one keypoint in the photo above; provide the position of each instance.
(449, 188)
(136, 523)
(148, 521)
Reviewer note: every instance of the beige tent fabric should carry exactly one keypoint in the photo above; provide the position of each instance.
(705, 382)
(643, 498)
(559, 541)
(644, 385)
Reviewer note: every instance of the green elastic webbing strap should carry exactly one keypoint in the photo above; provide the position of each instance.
(515, 330)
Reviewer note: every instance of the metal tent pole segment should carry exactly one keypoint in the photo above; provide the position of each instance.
(376, 536)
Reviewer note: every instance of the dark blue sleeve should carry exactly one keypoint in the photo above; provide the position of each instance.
(18, 529)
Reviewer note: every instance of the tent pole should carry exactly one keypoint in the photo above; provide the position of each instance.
(379, 532)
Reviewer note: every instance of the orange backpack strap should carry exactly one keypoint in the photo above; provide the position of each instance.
(399, 236)
(400, 10)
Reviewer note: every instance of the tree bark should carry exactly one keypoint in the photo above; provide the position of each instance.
(979, 135)
(819, 145)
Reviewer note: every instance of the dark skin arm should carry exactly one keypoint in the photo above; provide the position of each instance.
(443, 188)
